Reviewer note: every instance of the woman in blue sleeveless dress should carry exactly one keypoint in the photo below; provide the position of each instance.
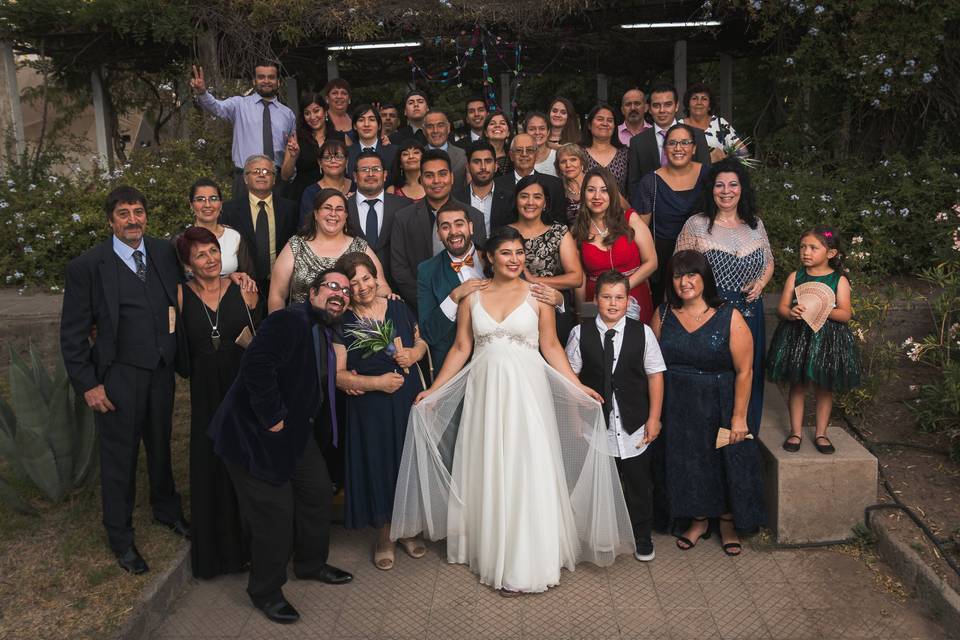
(708, 350)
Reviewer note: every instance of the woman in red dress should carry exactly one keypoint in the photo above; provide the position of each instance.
(610, 238)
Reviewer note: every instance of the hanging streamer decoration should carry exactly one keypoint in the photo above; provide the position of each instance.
(481, 40)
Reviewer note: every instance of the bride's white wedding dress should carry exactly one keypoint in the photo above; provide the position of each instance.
(501, 461)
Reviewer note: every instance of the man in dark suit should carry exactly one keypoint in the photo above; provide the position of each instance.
(412, 239)
(415, 107)
(447, 278)
(126, 290)
(481, 193)
(368, 125)
(646, 148)
(371, 211)
(264, 220)
(264, 432)
(475, 116)
(523, 153)
(436, 126)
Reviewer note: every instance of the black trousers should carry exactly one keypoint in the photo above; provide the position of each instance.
(638, 492)
(282, 519)
(658, 282)
(144, 410)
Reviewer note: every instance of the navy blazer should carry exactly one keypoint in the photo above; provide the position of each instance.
(282, 377)
(391, 205)
(435, 280)
(91, 297)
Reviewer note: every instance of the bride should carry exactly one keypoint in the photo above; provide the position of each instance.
(507, 456)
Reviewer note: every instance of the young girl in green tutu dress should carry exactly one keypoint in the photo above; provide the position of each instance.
(828, 359)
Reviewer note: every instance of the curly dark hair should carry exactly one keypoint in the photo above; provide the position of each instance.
(746, 208)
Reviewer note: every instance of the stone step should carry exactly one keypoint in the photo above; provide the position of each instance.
(812, 497)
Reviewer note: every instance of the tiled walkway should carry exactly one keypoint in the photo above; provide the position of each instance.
(696, 594)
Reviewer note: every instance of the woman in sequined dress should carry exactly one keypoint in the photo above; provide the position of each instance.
(735, 244)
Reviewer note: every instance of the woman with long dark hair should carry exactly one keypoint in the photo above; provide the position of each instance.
(404, 174)
(564, 123)
(602, 144)
(302, 154)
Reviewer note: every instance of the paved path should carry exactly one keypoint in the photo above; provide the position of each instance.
(696, 594)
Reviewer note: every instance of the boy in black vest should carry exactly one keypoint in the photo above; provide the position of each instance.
(620, 359)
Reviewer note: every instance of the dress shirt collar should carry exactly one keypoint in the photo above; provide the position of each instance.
(473, 194)
(474, 136)
(657, 128)
(618, 327)
(363, 146)
(255, 201)
(519, 177)
(445, 147)
(362, 198)
(125, 251)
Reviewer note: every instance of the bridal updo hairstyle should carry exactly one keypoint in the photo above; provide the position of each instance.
(498, 237)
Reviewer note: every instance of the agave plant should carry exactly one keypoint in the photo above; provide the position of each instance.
(47, 433)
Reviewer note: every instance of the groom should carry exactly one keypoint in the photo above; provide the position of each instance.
(445, 279)
(620, 358)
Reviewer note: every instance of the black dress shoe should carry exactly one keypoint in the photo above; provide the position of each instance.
(281, 612)
(330, 575)
(180, 527)
(131, 560)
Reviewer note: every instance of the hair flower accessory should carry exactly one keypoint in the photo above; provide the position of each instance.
(828, 234)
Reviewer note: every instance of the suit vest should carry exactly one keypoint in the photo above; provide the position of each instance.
(629, 378)
(143, 333)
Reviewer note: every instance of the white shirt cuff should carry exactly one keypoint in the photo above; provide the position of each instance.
(449, 308)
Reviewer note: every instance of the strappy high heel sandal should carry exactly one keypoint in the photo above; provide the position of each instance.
(690, 544)
(730, 548)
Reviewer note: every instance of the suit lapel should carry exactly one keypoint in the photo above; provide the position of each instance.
(353, 216)
(166, 279)
(108, 279)
(448, 277)
(425, 228)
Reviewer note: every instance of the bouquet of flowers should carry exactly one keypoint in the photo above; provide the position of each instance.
(373, 336)
(738, 149)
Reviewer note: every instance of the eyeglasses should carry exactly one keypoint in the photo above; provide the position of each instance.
(333, 157)
(679, 143)
(259, 172)
(331, 209)
(373, 170)
(206, 199)
(336, 287)
(525, 151)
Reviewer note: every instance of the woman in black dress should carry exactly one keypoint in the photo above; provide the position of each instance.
(215, 312)
(377, 418)
(708, 349)
(301, 160)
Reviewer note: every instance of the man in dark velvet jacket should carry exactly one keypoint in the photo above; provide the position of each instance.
(264, 432)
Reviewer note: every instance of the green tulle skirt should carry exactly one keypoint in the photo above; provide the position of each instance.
(829, 358)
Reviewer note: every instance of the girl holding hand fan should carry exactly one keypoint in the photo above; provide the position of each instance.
(813, 343)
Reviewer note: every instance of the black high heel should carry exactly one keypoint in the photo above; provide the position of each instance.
(730, 548)
(692, 543)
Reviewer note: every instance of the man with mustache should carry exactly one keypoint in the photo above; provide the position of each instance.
(633, 106)
(264, 432)
(123, 292)
(261, 124)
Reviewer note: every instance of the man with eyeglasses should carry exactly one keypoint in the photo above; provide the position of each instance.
(264, 432)
(261, 124)
(523, 153)
(371, 211)
(265, 221)
(646, 148)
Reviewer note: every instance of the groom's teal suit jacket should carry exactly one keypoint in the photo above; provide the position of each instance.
(435, 280)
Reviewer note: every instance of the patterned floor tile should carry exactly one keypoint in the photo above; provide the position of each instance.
(646, 623)
(692, 624)
(758, 567)
(790, 624)
(842, 623)
(546, 620)
(592, 621)
(453, 622)
(681, 595)
(773, 596)
(204, 621)
(405, 623)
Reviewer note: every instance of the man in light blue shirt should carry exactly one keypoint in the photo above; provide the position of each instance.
(261, 124)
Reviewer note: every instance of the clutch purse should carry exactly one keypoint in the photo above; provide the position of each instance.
(246, 336)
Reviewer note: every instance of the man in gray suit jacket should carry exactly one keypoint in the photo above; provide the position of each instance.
(371, 211)
(646, 147)
(413, 238)
(436, 126)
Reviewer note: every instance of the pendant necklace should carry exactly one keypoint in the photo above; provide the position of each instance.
(602, 233)
(214, 324)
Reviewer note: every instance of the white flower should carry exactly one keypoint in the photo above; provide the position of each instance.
(201, 142)
(825, 198)
(31, 187)
(888, 73)
(794, 196)
(788, 249)
(856, 240)
(881, 58)
(914, 387)
(757, 5)
(787, 185)
(153, 181)
(884, 88)
(904, 212)
(11, 183)
(75, 217)
(17, 275)
(789, 62)
(814, 31)
(860, 335)
(908, 342)
(927, 78)
(818, 9)
(27, 249)
(914, 353)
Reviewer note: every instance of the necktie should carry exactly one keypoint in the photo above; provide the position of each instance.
(458, 265)
(663, 148)
(372, 229)
(331, 376)
(267, 131)
(608, 371)
(141, 265)
(262, 233)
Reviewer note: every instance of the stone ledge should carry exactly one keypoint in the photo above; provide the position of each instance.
(155, 601)
(917, 576)
(812, 497)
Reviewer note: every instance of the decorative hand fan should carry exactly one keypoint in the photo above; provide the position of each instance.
(818, 300)
(723, 437)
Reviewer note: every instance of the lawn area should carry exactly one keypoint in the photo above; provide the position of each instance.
(58, 578)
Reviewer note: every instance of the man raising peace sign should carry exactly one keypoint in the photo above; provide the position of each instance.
(261, 125)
